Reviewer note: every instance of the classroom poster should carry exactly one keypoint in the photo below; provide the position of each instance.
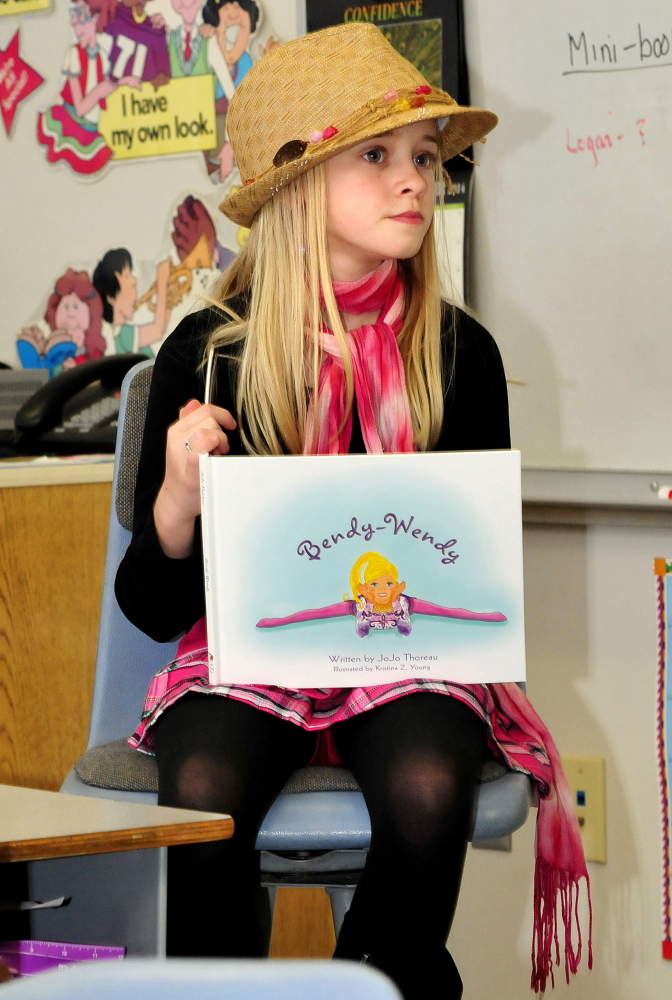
(17, 80)
(144, 122)
(358, 570)
(663, 571)
(429, 33)
(138, 82)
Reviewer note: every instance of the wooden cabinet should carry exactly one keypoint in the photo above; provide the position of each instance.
(52, 553)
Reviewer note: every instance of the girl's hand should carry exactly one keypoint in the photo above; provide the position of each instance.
(178, 503)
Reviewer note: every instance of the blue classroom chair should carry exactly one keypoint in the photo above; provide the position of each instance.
(316, 833)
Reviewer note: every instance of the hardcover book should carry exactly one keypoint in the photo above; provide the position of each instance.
(358, 570)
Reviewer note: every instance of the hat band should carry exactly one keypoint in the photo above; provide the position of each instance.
(370, 113)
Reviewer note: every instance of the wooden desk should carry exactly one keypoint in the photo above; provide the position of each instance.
(35, 825)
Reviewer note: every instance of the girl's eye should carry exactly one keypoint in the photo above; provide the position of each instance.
(424, 159)
(374, 155)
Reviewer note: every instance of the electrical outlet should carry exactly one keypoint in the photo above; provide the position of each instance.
(587, 783)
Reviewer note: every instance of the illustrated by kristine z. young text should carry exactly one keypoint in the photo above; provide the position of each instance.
(379, 601)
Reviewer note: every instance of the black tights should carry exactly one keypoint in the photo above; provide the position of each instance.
(417, 760)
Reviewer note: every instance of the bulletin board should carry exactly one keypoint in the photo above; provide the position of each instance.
(115, 158)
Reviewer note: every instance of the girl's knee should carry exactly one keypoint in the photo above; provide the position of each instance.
(207, 783)
(428, 799)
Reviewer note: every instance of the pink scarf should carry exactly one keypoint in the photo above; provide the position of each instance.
(384, 414)
(378, 370)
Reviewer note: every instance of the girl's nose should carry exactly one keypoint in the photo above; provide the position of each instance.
(412, 180)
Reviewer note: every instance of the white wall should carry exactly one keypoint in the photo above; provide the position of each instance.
(592, 667)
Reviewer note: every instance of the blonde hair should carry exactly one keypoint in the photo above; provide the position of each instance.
(283, 268)
(377, 566)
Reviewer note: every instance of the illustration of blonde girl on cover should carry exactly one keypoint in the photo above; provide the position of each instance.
(379, 602)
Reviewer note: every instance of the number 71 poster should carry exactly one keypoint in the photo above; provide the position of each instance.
(358, 570)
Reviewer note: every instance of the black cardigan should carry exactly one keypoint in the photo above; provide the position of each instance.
(163, 597)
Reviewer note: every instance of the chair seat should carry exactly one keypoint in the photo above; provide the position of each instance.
(117, 765)
(314, 821)
(320, 808)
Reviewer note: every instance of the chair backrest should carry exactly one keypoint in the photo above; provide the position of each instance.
(233, 979)
(126, 659)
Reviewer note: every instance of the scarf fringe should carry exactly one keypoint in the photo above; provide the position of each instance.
(553, 886)
(560, 864)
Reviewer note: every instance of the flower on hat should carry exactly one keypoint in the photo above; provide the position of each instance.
(401, 104)
(318, 136)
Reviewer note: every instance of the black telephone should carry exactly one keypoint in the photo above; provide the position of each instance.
(76, 411)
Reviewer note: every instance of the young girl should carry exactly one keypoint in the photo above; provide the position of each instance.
(332, 337)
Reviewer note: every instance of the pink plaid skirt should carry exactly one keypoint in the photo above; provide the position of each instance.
(317, 709)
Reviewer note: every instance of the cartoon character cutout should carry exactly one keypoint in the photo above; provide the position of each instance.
(379, 602)
(234, 21)
(74, 318)
(69, 130)
(187, 45)
(192, 224)
(201, 256)
(138, 50)
(117, 286)
(229, 26)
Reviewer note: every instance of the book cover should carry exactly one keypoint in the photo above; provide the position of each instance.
(357, 570)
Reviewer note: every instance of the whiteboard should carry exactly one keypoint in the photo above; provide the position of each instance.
(571, 263)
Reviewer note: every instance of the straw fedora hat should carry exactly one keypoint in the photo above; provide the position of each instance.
(322, 93)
